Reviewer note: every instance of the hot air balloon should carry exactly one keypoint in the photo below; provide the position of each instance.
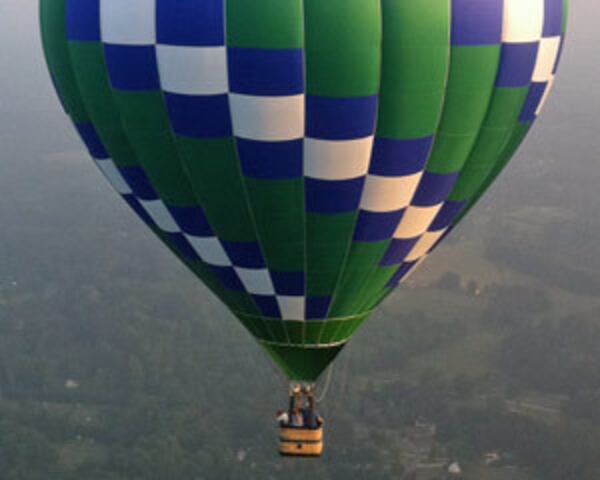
(302, 157)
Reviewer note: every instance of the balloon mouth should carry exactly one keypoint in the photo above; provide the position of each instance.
(302, 364)
(303, 350)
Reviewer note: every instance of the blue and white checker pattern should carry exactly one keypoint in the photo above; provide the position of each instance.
(181, 50)
(424, 206)
(551, 42)
(337, 152)
(131, 183)
(268, 118)
(237, 266)
(395, 172)
(192, 66)
(530, 57)
(473, 24)
(428, 215)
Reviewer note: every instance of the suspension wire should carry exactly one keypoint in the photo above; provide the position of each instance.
(321, 397)
(331, 384)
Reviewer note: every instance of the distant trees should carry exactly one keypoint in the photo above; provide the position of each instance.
(562, 356)
(449, 281)
(25, 453)
(404, 336)
(526, 256)
(512, 306)
(558, 452)
(585, 406)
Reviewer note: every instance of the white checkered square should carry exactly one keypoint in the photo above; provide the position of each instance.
(193, 70)
(337, 159)
(210, 250)
(128, 22)
(389, 194)
(256, 281)
(268, 119)
(416, 221)
(424, 245)
(546, 59)
(523, 21)
(291, 308)
(114, 177)
(160, 214)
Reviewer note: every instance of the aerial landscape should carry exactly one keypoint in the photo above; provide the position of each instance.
(117, 364)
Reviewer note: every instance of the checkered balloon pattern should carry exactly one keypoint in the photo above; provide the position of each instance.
(302, 157)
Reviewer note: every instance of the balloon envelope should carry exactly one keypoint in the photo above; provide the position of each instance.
(302, 157)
